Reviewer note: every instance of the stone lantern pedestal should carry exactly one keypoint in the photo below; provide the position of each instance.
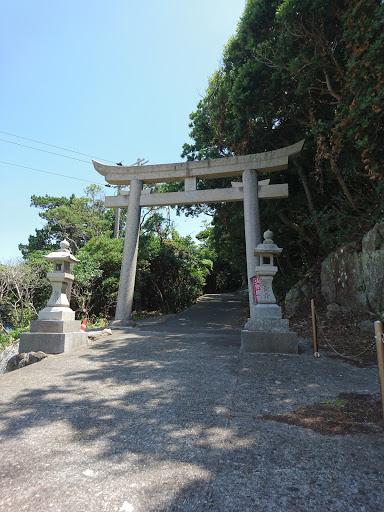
(266, 331)
(56, 329)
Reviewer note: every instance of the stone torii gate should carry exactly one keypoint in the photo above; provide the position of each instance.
(250, 190)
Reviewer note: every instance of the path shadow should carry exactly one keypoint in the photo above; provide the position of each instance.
(143, 398)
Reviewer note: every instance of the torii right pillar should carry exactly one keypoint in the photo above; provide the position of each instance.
(252, 231)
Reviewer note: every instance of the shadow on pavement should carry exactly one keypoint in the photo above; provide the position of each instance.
(161, 421)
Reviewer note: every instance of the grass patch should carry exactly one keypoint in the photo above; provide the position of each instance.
(12, 337)
(351, 413)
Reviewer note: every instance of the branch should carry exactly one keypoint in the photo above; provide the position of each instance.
(345, 190)
(295, 227)
(331, 91)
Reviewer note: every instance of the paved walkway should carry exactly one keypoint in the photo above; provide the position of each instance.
(167, 417)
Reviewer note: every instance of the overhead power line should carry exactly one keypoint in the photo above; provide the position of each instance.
(54, 173)
(57, 147)
(45, 151)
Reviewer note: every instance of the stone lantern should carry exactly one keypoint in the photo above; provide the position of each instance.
(61, 281)
(266, 271)
(56, 329)
(267, 331)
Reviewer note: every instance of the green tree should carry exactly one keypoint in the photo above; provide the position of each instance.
(21, 287)
(171, 272)
(75, 219)
(95, 289)
(171, 269)
(308, 69)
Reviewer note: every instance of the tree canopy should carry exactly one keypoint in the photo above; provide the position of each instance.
(299, 69)
(77, 219)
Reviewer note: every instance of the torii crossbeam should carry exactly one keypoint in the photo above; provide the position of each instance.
(249, 191)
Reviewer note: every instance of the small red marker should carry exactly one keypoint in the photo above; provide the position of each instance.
(83, 325)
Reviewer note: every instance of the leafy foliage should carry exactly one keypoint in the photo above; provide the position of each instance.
(11, 337)
(171, 269)
(299, 69)
(75, 219)
(22, 286)
(94, 292)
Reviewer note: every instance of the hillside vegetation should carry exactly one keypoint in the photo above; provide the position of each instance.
(301, 69)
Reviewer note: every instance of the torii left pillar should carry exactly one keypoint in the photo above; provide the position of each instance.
(128, 265)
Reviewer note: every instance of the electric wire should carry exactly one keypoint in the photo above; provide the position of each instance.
(45, 151)
(54, 173)
(57, 147)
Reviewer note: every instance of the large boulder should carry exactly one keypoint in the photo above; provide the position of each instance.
(24, 359)
(6, 355)
(301, 293)
(342, 280)
(351, 277)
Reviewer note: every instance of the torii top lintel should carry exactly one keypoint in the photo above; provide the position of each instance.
(268, 161)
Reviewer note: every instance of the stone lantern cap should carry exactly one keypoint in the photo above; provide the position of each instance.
(62, 255)
(268, 247)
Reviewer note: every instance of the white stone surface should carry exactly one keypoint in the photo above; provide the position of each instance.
(128, 266)
(51, 343)
(252, 231)
(6, 355)
(56, 313)
(268, 161)
(268, 310)
(56, 330)
(192, 196)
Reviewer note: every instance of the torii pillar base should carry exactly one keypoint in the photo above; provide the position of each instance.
(121, 324)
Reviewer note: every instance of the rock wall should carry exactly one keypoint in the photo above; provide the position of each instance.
(351, 277)
(354, 279)
(301, 293)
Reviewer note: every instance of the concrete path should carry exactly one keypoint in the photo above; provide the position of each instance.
(166, 417)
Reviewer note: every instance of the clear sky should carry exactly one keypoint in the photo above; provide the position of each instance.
(116, 80)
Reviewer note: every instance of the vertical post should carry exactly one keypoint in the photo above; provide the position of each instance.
(128, 265)
(380, 358)
(252, 231)
(314, 327)
(116, 231)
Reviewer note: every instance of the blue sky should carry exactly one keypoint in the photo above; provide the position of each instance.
(116, 80)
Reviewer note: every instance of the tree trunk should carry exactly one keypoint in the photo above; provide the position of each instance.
(345, 190)
(311, 205)
(295, 227)
(304, 181)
